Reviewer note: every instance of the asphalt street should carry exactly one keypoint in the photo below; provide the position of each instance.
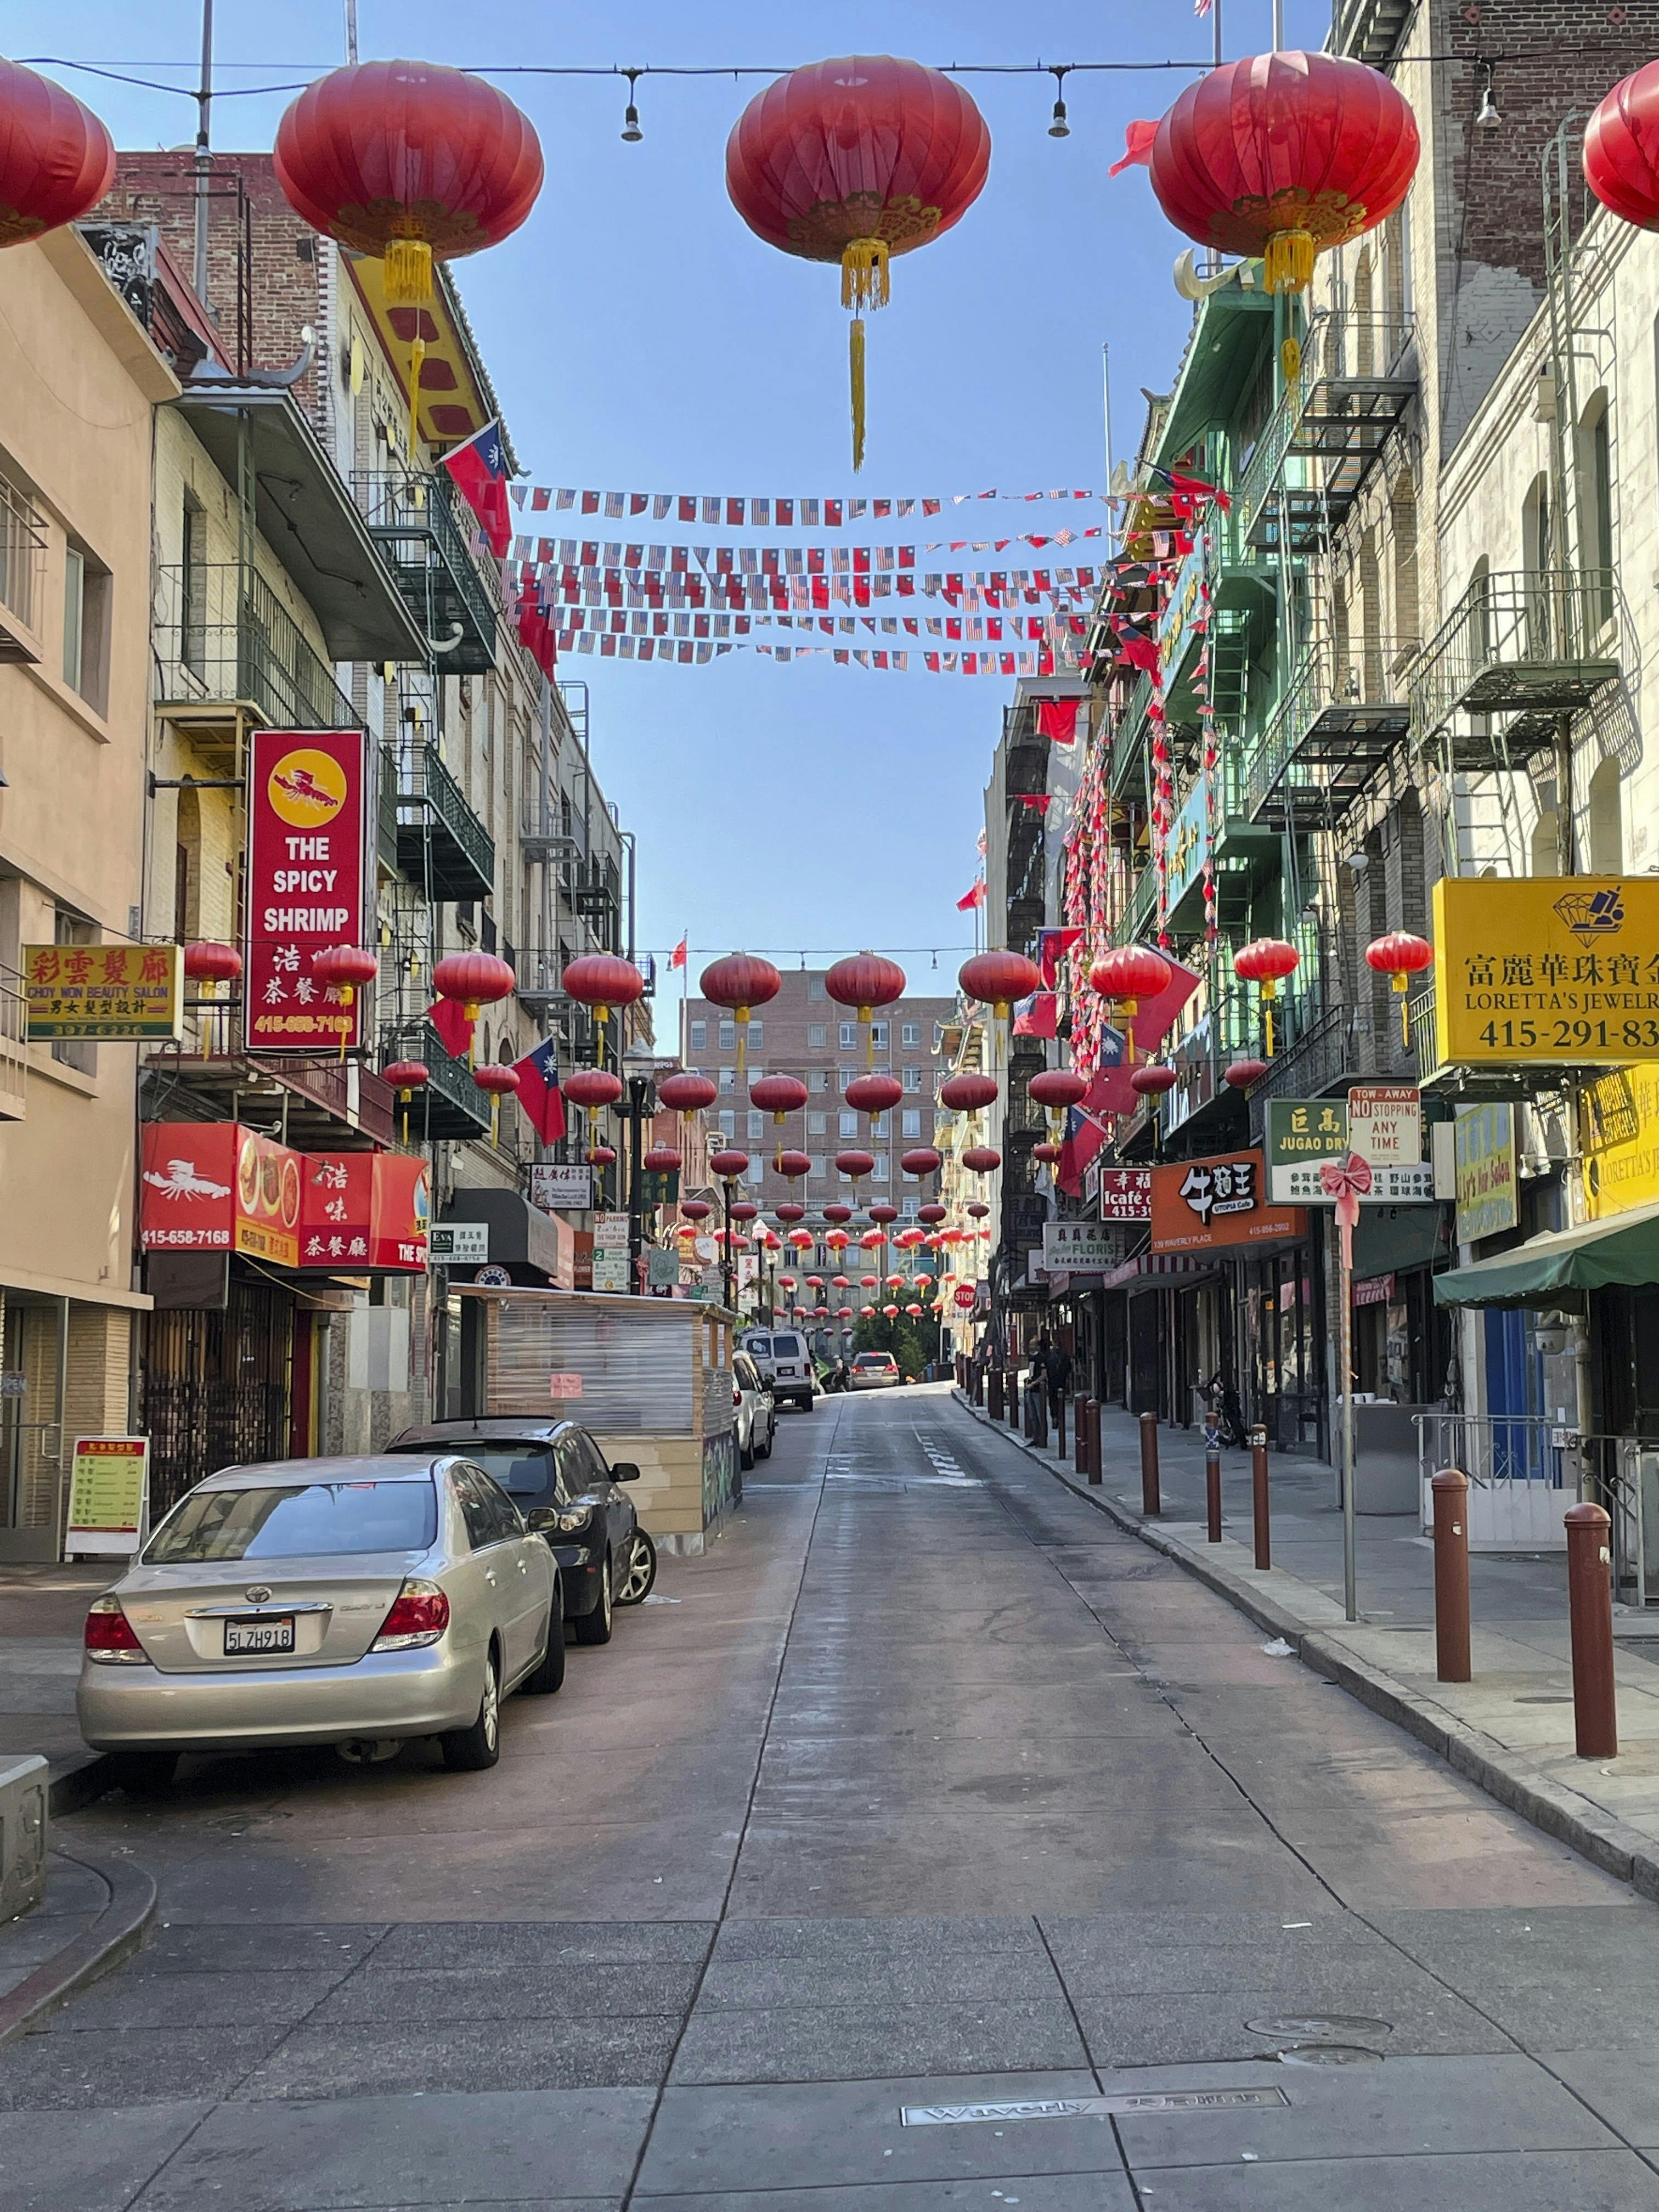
(931, 1842)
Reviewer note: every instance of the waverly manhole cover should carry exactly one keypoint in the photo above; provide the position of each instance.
(1320, 2027)
(1090, 2108)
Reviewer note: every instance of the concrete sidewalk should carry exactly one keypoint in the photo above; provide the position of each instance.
(43, 1611)
(1510, 1728)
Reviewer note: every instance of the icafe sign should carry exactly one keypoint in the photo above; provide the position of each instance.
(304, 886)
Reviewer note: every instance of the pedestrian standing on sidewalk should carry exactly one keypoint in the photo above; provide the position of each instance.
(1058, 1362)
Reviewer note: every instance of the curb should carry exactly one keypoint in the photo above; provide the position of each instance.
(81, 1785)
(1607, 1843)
(119, 1930)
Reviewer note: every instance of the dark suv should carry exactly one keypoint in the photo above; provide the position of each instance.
(556, 1476)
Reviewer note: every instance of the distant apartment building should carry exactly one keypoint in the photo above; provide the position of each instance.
(804, 1032)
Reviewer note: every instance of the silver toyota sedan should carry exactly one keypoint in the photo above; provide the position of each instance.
(357, 1602)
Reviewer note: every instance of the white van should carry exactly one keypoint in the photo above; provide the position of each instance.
(783, 1359)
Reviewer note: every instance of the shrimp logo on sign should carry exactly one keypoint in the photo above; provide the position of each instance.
(306, 789)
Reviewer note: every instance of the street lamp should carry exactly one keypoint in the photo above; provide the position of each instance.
(639, 1069)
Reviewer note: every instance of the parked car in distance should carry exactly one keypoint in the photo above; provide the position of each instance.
(753, 1412)
(358, 1602)
(556, 1476)
(785, 1362)
(874, 1371)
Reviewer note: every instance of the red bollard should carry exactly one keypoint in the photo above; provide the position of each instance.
(1091, 1447)
(1079, 1434)
(1213, 1491)
(1059, 1426)
(1451, 1575)
(1589, 1606)
(1150, 1505)
(993, 1393)
(1264, 1550)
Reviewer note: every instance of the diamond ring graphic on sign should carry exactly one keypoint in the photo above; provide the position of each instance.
(306, 788)
(1593, 914)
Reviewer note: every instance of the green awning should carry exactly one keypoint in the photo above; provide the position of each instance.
(1621, 1249)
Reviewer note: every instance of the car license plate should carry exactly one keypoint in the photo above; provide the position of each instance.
(268, 1633)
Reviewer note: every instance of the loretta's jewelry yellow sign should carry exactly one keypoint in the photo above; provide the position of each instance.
(1546, 968)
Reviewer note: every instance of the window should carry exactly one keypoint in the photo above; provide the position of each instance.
(292, 1520)
(911, 1077)
(70, 929)
(728, 1036)
(911, 1121)
(817, 1036)
(1607, 843)
(478, 1509)
(907, 1207)
(816, 1174)
(910, 1033)
(848, 1125)
(880, 1175)
(849, 1035)
(817, 1124)
(756, 1127)
(815, 988)
(728, 1079)
(1597, 526)
(878, 1035)
(86, 624)
(757, 1033)
(877, 1128)
(699, 1037)
(817, 1078)
(193, 589)
(728, 1123)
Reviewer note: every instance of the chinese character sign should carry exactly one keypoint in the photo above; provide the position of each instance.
(1546, 968)
(304, 886)
(213, 1186)
(365, 1210)
(1198, 1205)
(132, 991)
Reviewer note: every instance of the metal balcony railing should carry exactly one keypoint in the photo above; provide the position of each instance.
(14, 1048)
(223, 639)
(1343, 713)
(22, 564)
(1327, 430)
(440, 843)
(1528, 644)
(415, 518)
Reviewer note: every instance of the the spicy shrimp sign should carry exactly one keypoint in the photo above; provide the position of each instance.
(304, 886)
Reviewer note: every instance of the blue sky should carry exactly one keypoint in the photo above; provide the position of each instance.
(640, 338)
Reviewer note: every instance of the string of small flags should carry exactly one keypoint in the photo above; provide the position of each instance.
(735, 513)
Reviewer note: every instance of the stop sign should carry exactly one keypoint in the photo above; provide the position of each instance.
(965, 1296)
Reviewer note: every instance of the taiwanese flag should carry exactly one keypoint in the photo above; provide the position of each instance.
(1053, 946)
(1083, 1136)
(538, 1093)
(478, 470)
(1037, 1016)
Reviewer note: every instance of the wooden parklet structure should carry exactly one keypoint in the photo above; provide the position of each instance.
(650, 1378)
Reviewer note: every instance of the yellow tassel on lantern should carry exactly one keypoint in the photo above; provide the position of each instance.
(406, 272)
(855, 358)
(416, 358)
(1290, 360)
(741, 1016)
(1288, 263)
(864, 286)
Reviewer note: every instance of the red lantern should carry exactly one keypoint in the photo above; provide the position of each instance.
(1242, 1073)
(473, 979)
(1057, 1088)
(978, 1208)
(592, 1087)
(873, 1094)
(695, 1209)
(915, 1310)
(341, 968)
(405, 1076)
(741, 981)
(205, 963)
(602, 980)
(790, 1210)
(837, 1213)
(890, 1311)
(1152, 1080)
(854, 160)
(601, 1155)
(882, 1212)
(1284, 156)
(967, 1093)
(923, 1161)
(872, 1240)
(56, 159)
(779, 1096)
(1621, 141)
(865, 981)
(743, 1209)
(1266, 961)
(1048, 1153)
(412, 162)
(930, 1214)
(499, 1082)
(790, 1165)
(1128, 973)
(728, 1165)
(982, 1159)
(662, 1160)
(1399, 956)
(686, 1092)
(997, 979)
(855, 1163)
